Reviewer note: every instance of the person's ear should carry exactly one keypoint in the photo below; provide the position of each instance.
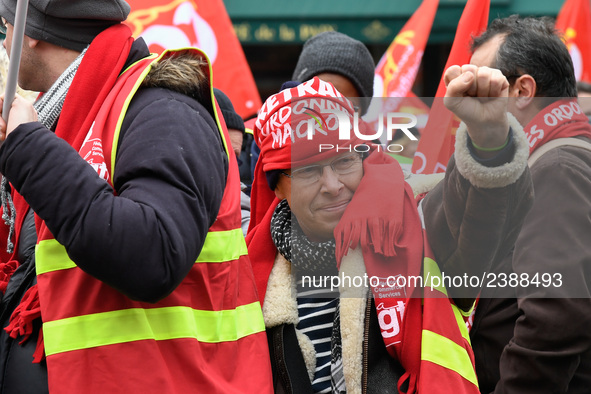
(31, 42)
(524, 90)
(279, 192)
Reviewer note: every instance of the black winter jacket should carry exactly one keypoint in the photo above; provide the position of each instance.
(169, 182)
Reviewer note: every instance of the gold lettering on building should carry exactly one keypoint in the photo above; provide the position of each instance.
(264, 33)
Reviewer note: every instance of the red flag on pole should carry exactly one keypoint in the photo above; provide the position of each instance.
(574, 21)
(397, 69)
(437, 140)
(204, 24)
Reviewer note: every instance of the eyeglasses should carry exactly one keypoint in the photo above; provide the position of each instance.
(344, 165)
(3, 26)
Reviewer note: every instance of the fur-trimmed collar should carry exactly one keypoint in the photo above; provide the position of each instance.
(280, 307)
(485, 177)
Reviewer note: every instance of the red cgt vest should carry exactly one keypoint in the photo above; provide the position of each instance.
(447, 359)
(207, 336)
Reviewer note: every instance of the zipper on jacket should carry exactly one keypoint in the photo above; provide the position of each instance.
(280, 359)
(366, 345)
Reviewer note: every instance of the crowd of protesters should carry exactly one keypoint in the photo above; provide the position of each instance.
(153, 241)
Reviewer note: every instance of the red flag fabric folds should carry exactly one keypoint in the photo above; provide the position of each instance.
(437, 140)
(205, 24)
(397, 69)
(574, 21)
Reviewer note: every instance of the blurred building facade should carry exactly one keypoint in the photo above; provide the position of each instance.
(272, 32)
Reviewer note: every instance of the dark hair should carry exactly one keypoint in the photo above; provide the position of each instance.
(583, 87)
(532, 46)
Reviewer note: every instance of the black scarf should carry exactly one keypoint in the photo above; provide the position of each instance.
(310, 258)
(305, 256)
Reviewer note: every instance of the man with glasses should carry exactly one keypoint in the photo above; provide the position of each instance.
(335, 234)
(321, 218)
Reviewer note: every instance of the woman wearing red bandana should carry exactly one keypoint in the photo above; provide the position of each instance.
(330, 208)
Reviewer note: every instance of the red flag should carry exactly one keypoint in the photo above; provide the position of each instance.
(574, 21)
(397, 69)
(437, 140)
(414, 105)
(204, 24)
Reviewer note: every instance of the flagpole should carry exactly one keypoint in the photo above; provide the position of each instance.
(15, 56)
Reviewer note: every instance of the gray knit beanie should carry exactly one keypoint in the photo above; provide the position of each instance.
(71, 24)
(232, 119)
(338, 53)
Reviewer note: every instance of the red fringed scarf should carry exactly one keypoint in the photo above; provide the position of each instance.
(21, 319)
(6, 271)
(561, 119)
(382, 219)
(103, 61)
(8, 261)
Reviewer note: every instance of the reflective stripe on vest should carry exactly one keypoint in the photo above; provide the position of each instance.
(128, 325)
(120, 326)
(220, 322)
(223, 246)
(219, 247)
(441, 350)
(448, 354)
(431, 270)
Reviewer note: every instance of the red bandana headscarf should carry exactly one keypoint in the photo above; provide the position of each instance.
(289, 130)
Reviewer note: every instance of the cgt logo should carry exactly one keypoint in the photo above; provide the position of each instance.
(318, 118)
(390, 318)
(570, 36)
(173, 25)
(92, 151)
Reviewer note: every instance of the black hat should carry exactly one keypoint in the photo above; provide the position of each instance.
(338, 53)
(71, 24)
(232, 119)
